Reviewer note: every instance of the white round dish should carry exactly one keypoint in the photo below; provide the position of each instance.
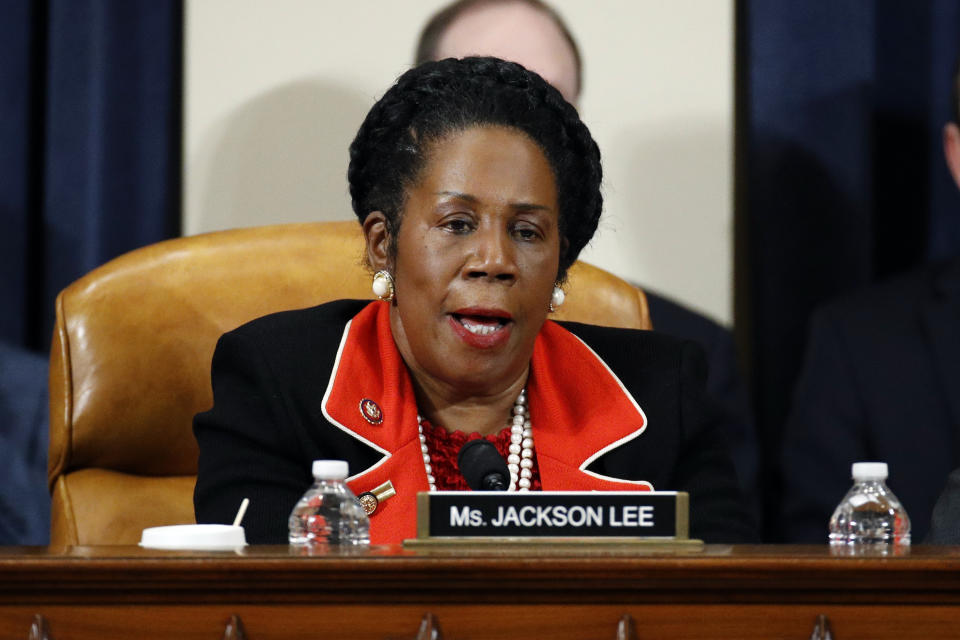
(202, 537)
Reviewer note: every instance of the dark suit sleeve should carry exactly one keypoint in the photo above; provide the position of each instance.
(24, 501)
(945, 523)
(718, 511)
(726, 387)
(824, 435)
(248, 445)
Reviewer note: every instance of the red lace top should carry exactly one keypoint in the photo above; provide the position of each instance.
(445, 445)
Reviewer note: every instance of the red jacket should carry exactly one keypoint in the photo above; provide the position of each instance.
(588, 414)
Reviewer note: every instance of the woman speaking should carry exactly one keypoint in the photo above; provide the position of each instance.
(477, 186)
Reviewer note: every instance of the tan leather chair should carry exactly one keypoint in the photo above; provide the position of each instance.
(130, 361)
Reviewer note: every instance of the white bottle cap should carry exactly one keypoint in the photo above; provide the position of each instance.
(330, 469)
(868, 470)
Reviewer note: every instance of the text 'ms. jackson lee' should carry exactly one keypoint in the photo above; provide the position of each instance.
(554, 514)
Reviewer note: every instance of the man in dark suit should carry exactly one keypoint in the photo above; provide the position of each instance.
(881, 382)
(24, 501)
(533, 34)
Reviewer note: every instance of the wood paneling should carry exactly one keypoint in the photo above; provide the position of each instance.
(721, 592)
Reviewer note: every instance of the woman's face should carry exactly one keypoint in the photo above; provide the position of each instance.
(477, 256)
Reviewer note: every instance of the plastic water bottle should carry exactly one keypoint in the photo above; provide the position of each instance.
(329, 513)
(869, 515)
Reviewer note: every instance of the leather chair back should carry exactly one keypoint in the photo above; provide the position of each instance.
(132, 345)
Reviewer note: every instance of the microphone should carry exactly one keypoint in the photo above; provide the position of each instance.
(483, 466)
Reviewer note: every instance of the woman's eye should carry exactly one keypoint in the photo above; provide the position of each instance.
(526, 233)
(457, 225)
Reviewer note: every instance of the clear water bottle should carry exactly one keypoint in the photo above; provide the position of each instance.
(329, 513)
(869, 515)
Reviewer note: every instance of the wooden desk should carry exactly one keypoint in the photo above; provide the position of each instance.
(718, 592)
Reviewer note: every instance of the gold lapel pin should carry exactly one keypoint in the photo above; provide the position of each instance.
(370, 500)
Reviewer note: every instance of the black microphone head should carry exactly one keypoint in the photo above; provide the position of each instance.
(483, 466)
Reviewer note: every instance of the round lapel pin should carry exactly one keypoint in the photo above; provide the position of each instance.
(370, 411)
(369, 502)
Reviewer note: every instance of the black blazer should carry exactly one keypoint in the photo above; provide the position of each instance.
(724, 383)
(881, 382)
(267, 425)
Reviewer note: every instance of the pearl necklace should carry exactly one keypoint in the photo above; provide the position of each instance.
(520, 460)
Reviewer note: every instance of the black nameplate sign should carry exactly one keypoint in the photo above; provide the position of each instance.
(553, 514)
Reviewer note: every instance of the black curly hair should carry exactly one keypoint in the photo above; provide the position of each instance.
(435, 99)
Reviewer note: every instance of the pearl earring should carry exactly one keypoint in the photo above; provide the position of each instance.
(383, 285)
(557, 298)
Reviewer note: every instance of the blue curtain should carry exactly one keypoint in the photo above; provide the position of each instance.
(90, 120)
(90, 147)
(841, 177)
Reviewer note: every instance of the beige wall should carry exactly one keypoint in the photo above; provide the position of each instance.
(275, 90)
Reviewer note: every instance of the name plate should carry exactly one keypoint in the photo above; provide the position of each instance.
(477, 515)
